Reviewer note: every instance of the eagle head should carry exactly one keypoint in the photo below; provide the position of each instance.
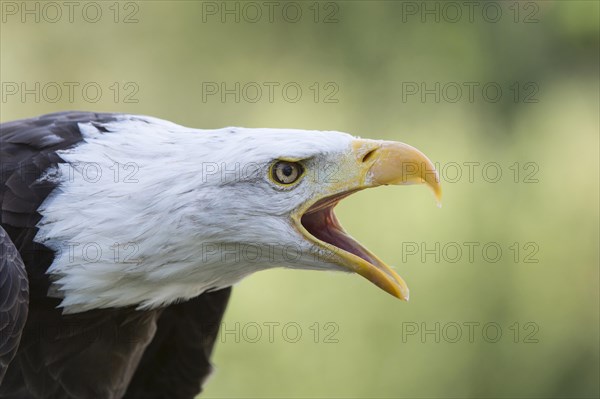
(202, 209)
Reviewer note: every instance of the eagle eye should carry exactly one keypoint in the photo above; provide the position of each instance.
(286, 172)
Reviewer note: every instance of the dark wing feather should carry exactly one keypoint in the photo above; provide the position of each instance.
(86, 355)
(177, 362)
(92, 354)
(28, 150)
(14, 296)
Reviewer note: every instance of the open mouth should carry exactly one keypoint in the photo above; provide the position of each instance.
(323, 227)
(320, 221)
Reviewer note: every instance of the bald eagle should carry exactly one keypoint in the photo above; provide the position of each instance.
(122, 236)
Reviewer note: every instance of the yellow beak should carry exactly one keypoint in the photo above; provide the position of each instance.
(371, 163)
(397, 163)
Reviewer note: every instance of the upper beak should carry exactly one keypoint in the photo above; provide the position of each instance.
(392, 162)
(372, 163)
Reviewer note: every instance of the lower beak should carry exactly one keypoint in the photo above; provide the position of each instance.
(376, 163)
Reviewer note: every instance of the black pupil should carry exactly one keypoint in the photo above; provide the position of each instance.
(287, 170)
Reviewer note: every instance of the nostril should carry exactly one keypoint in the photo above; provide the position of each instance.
(369, 155)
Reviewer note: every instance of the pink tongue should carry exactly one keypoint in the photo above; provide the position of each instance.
(323, 225)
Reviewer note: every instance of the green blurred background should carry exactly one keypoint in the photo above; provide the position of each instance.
(363, 56)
